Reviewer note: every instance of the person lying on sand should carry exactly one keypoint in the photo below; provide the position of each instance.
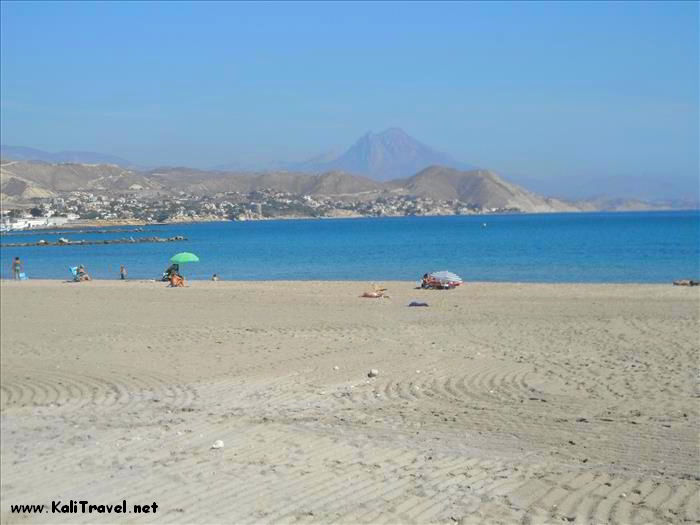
(376, 293)
(430, 283)
(686, 282)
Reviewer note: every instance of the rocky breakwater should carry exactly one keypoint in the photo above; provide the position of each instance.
(65, 242)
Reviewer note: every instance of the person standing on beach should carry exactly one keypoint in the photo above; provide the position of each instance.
(122, 272)
(16, 268)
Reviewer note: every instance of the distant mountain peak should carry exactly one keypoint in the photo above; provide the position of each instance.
(388, 133)
(386, 155)
(393, 133)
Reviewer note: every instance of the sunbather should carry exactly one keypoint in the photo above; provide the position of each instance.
(176, 280)
(431, 283)
(82, 274)
(686, 282)
(376, 293)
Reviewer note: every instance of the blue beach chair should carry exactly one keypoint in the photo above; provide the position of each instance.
(74, 272)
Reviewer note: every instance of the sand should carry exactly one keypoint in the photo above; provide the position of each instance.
(499, 403)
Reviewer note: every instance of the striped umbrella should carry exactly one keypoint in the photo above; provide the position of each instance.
(446, 277)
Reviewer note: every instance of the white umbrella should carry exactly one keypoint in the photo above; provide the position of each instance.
(446, 276)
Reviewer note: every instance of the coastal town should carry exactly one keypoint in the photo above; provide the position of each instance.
(81, 207)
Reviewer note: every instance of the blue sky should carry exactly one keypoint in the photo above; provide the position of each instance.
(550, 90)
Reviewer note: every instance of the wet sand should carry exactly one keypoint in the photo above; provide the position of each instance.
(499, 403)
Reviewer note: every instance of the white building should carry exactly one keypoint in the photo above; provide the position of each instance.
(28, 223)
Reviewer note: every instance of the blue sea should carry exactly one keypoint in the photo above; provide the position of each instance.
(636, 247)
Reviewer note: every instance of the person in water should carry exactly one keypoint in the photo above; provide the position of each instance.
(16, 268)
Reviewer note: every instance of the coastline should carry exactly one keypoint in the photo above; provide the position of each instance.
(500, 402)
(88, 223)
(400, 282)
(360, 283)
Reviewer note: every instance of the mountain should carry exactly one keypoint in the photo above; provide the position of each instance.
(204, 183)
(81, 157)
(28, 179)
(481, 188)
(21, 181)
(252, 164)
(382, 156)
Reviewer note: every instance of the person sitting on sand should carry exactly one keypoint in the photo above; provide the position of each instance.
(176, 280)
(214, 277)
(425, 281)
(430, 283)
(82, 274)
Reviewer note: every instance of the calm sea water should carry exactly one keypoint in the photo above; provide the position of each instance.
(596, 247)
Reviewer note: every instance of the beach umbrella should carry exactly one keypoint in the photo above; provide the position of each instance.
(445, 276)
(184, 257)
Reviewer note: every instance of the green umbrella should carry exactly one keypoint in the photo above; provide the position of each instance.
(184, 257)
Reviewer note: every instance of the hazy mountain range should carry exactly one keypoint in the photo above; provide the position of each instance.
(21, 181)
(393, 154)
(380, 156)
(80, 157)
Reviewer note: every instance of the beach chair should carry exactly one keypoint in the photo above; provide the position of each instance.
(74, 273)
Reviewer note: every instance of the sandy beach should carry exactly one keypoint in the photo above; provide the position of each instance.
(498, 403)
